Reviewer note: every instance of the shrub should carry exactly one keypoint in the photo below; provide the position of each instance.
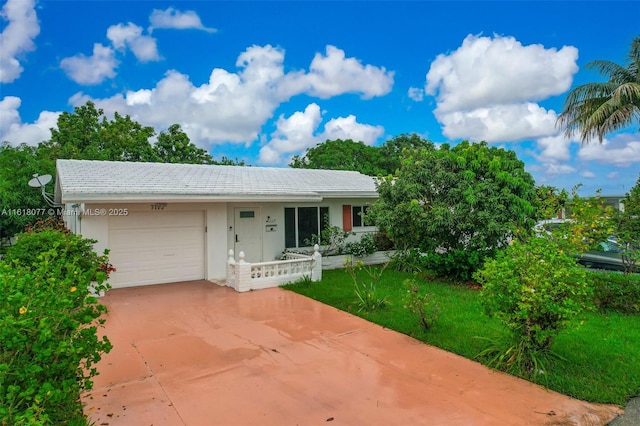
(456, 265)
(48, 329)
(616, 292)
(420, 304)
(331, 239)
(410, 260)
(534, 288)
(382, 241)
(366, 289)
(362, 247)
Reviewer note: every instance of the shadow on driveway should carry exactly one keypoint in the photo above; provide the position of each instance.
(195, 353)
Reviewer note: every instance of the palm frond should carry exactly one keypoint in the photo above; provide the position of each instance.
(595, 109)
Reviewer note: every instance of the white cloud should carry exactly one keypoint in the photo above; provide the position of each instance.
(296, 133)
(554, 149)
(17, 36)
(94, 69)
(500, 70)
(487, 88)
(508, 122)
(349, 128)
(416, 94)
(293, 134)
(587, 174)
(141, 97)
(334, 74)
(622, 150)
(172, 18)
(554, 169)
(12, 128)
(613, 175)
(130, 35)
(231, 106)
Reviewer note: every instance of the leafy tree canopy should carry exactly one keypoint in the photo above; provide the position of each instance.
(393, 150)
(174, 146)
(458, 205)
(350, 155)
(88, 135)
(341, 155)
(17, 166)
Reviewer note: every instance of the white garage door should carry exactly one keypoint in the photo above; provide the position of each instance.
(156, 247)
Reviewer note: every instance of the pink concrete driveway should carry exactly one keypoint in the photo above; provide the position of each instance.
(198, 354)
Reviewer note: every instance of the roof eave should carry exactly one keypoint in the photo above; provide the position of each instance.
(173, 198)
(350, 194)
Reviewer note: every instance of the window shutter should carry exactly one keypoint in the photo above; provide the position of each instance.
(346, 218)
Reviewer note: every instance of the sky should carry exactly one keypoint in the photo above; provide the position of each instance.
(264, 81)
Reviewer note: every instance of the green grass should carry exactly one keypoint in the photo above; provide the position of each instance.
(601, 351)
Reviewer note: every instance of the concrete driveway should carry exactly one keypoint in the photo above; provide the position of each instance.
(198, 354)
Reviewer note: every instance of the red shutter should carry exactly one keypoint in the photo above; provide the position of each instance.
(346, 218)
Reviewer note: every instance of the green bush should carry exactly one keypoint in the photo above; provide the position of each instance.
(534, 288)
(456, 265)
(410, 260)
(616, 292)
(382, 241)
(364, 246)
(331, 239)
(48, 327)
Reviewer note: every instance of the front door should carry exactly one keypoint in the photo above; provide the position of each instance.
(248, 234)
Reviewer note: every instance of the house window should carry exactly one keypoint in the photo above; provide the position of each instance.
(357, 213)
(302, 223)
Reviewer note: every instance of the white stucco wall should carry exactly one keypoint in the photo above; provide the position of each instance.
(219, 222)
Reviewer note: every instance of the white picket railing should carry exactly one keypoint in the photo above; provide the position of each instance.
(245, 276)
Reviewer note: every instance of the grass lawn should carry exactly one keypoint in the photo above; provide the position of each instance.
(601, 351)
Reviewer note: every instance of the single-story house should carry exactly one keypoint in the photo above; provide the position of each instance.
(177, 222)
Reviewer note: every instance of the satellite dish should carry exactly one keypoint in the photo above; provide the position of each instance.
(39, 181)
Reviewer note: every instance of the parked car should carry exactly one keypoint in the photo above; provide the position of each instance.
(606, 256)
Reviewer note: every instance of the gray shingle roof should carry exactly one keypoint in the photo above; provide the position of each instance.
(84, 180)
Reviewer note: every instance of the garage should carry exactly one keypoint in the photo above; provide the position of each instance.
(156, 247)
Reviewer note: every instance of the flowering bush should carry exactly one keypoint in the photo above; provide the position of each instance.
(48, 327)
(364, 246)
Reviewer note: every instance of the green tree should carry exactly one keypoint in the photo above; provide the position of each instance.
(457, 205)
(174, 146)
(393, 150)
(226, 161)
(341, 155)
(595, 109)
(17, 166)
(77, 134)
(123, 139)
(88, 135)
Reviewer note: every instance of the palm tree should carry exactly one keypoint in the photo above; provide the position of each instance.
(595, 109)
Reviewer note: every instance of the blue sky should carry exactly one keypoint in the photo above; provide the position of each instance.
(263, 81)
